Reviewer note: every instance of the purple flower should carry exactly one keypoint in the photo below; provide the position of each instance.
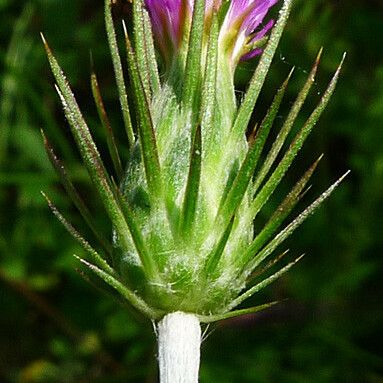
(242, 27)
(169, 19)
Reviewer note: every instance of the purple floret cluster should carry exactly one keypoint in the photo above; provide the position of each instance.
(243, 25)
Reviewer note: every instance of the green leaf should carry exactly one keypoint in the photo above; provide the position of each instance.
(151, 54)
(193, 61)
(261, 285)
(275, 178)
(288, 124)
(73, 194)
(192, 187)
(140, 46)
(243, 178)
(236, 313)
(148, 262)
(268, 266)
(93, 280)
(146, 129)
(88, 151)
(118, 72)
(289, 229)
(134, 299)
(210, 81)
(256, 83)
(280, 214)
(110, 139)
(75, 234)
(216, 254)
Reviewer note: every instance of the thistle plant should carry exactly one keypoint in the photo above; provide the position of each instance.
(183, 249)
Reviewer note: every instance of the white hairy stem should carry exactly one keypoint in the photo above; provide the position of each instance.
(179, 343)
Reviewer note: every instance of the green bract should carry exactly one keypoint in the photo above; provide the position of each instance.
(183, 208)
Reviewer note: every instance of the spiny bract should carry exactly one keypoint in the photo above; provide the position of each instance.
(183, 210)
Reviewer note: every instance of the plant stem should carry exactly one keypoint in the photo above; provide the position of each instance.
(179, 341)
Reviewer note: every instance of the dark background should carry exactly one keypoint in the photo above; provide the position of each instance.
(56, 328)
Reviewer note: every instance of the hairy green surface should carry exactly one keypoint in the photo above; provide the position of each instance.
(183, 213)
(327, 331)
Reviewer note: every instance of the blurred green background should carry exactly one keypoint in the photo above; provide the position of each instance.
(56, 328)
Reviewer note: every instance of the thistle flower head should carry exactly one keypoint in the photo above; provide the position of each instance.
(183, 208)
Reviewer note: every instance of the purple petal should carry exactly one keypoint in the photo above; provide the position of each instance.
(249, 12)
(244, 18)
(257, 14)
(251, 54)
(243, 23)
(260, 34)
(168, 21)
